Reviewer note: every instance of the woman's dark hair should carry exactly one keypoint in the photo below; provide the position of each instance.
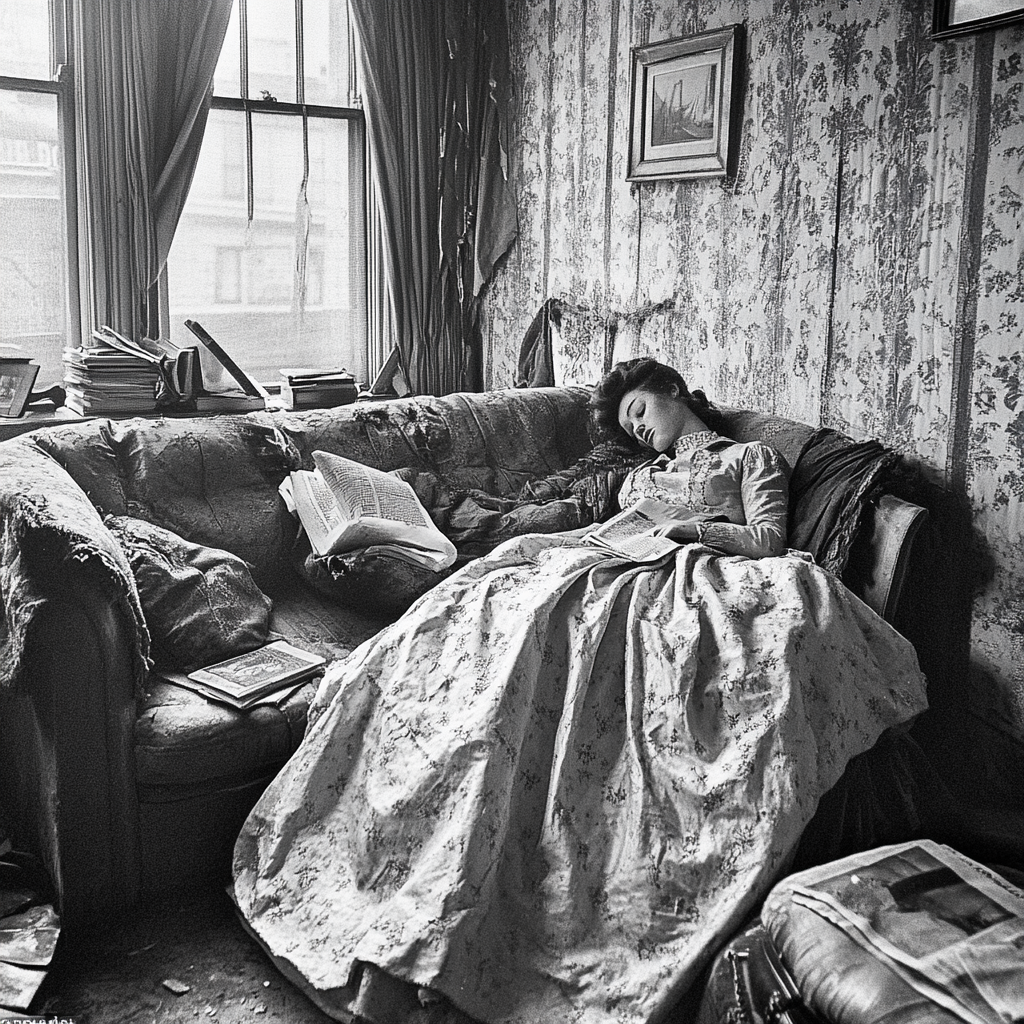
(644, 374)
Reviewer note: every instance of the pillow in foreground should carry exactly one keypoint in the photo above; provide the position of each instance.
(200, 603)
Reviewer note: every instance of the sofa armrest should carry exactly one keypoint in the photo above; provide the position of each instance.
(880, 553)
(67, 754)
(53, 538)
(73, 649)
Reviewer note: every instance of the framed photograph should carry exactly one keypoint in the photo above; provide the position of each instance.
(16, 379)
(684, 100)
(954, 17)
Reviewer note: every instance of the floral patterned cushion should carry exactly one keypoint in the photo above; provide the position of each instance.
(201, 604)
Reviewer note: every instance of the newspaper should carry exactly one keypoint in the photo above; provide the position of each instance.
(346, 506)
(949, 927)
(630, 534)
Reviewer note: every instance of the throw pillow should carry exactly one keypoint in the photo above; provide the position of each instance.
(832, 485)
(200, 604)
(369, 581)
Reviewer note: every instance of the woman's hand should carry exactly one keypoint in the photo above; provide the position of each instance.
(685, 532)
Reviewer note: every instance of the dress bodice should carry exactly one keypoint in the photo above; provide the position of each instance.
(741, 486)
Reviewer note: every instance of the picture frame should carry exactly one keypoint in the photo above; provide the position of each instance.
(956, 17)
(684, 106)
(16, 379)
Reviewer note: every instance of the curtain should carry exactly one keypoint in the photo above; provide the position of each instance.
(145, 80)
(436, 91)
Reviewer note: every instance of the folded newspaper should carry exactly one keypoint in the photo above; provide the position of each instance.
(949, 927)
(345, 506)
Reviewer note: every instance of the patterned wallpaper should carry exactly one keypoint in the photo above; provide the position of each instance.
(864, 269)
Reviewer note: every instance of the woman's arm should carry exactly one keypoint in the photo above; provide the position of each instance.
(765, 493)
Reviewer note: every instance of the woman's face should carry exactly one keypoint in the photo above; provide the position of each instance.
(655, 420)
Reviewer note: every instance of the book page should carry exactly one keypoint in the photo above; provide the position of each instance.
(316, 508)
(364, 491)
(630, 533)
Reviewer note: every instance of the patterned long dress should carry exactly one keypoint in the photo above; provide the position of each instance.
(559, 782)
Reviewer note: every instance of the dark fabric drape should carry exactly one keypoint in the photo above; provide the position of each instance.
(436, 93)
(146, 70)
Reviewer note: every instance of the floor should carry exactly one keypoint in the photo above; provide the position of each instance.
(185, 958)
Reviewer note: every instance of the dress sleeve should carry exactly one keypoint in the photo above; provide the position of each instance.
(765, 492)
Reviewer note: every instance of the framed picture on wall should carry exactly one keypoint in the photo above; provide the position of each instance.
(953, 17)
(684, 106)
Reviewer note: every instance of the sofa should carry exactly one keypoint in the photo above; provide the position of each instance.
(126, 784)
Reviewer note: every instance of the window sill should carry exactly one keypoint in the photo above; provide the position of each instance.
(37, 419)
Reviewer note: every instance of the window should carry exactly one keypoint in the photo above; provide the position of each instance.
(278, 282)
(37, 262)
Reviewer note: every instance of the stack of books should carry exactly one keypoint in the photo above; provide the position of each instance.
(306, 388)
(112, 375)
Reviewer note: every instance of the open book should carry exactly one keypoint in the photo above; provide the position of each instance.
(630, 533)
(346, 506)
(949, 927)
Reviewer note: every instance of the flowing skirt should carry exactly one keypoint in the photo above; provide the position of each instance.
(557, 784)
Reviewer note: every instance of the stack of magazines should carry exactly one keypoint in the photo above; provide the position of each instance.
(112, 375)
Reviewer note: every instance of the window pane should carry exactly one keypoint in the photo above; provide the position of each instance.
(271, 50)
(25, 39)
(325, 37)
(325, 42)
(33, 245)
(240, 281)
(226, 77)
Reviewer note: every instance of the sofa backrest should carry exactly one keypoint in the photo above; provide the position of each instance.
(214, 480)
(494, 441)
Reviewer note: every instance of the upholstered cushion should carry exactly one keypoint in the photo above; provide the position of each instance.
(212, 479)
(374, 581)
(492, 441)
(184, 742)
(200, 603)
(833, 483)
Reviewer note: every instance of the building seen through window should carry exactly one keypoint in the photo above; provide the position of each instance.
(274, 271)
(34, 311)
(286, 287)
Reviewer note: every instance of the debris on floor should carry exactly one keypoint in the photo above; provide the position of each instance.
(29, 927)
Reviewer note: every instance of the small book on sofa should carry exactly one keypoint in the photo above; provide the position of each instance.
(345, 506)
(274, 670)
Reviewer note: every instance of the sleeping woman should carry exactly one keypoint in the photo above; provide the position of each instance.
(561, 780)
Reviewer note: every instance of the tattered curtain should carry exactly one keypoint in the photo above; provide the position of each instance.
(437, 92)
(145, 76)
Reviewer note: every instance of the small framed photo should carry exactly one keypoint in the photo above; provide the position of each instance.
(954, 17)
(16, 379)
(684, 106)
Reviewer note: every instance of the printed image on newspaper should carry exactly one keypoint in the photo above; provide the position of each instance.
(949, 927)
(345, 506)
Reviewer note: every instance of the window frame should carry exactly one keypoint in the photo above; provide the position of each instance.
(249, 107)
(61, 85)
